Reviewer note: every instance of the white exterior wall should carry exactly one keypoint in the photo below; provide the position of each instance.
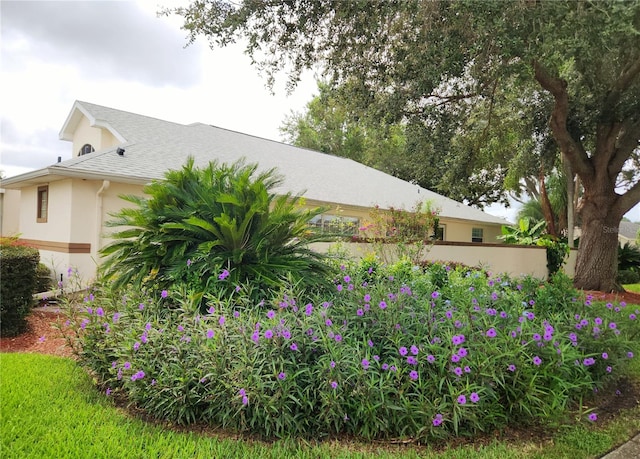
(497, 258)
(9, 212)
(98, 138)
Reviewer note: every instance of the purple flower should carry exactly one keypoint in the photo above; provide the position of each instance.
(293, 347)
(435, 295)
(221, 321)
(268, 334)
(334, 384)
(462, 399)
(605, 355)
(491, 333)
(370, 343)
(402, 351)
(383, 305)
(245, 400)
(612, 325)
(458, 371)
(136, 346)
(462, 352)
(588, 361)
(360, 312)
(308, 309)
(511, 367)
(224, 274)
(271, 314)
(385, 366)
(411, 360)
(431, 358)
(415, 350)
(210, 333)
(474, 397)
(630, 354)
(108, 391)
(332, 364)
(593, 417)
(127, 365)
(457, 339)
(437, 420)
(537, 360)
(338, 338)
(339, 287)
(365, 364)
(328, 322)
(164, 294)
(138, 375)
(413, 374)
(282, 375)
(609, 369)
(455, 358)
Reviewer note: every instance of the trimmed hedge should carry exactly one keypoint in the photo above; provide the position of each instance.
(18, 267)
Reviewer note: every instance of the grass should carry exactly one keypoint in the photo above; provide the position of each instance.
(51, 409)
(632, 288)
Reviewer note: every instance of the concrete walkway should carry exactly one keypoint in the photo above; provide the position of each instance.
(630, 450)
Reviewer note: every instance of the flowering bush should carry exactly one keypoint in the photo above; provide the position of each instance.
(389, 356)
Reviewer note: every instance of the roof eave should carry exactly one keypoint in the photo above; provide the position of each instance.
(54, 173)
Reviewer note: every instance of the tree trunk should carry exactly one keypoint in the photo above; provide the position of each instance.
(568, 172)
(545, 204)
(597, 263)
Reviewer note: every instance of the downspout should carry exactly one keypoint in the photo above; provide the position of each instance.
(99, 221)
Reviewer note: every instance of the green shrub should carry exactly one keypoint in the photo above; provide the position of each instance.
(221, 220)
(393, 358)
(44, 280)
(18, 267)
(628, 277)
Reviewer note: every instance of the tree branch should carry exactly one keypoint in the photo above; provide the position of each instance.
(627, 201)
(628, 141)
(573, 150)
(627, 77)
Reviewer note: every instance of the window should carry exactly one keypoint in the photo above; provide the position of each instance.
(439, 233)
(43, 204)
(477, 234)
(86, 149)
(334, 224)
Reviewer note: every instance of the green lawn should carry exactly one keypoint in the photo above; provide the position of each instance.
(632, 288)
(50, 409)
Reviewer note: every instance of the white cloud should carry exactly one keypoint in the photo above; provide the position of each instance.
(121, 55)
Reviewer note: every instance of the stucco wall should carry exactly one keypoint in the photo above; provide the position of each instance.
(9, 212)
(497, 258)
(98, 138)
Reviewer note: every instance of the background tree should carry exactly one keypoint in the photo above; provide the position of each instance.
(407, 59)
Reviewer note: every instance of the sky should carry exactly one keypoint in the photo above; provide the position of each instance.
(120, 54)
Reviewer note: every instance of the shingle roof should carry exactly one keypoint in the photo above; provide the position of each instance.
(154, 146)
(629, 230)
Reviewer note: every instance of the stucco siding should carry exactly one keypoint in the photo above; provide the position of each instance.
(9, 212)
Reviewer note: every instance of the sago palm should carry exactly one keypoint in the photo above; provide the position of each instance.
(196, 223)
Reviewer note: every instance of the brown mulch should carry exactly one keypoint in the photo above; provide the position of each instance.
(41, 336)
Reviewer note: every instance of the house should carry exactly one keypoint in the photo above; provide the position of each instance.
(628, 233)
(64, 207)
